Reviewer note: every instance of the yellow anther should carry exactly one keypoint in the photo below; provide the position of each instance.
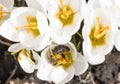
(28, 19)
(65, 15)
(2, 12)
(31, 26)
(99, 31)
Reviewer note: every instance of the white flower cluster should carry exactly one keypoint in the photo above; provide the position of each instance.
(48, 26)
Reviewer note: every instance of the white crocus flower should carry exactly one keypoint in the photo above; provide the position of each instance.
(98, 33)
(5, 9)
(65, 18)
(59, 63)
(28, 60)
(28, 27)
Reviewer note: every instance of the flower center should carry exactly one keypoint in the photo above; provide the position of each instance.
(61, 56)
(65, 14)
(2, 12)
(98, 33)
(31, 26)
(27, 53)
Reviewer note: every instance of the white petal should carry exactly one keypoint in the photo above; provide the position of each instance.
(75, 5)
(8, 31)
(33, 4)
(31, 42)
(64, 2)
(59, 38)
(92, 56)
(100, 3)
(80, 64)
(44, 42)
(37, 58)
(74, 27)
(73, 50)
(18, 15)
(15, 47)
(27, 39)
(52, 11)
(26, 65)
(117, 3)
(42, 23)
(106, 3)
(44, 56)
(117, 40)
(71, 72)
(58, 75)
(44, 72)
(8, 5)
(43, 5)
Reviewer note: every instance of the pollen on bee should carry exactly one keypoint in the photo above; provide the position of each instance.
(19, 58)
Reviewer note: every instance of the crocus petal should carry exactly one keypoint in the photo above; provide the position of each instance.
(8, 31)
(58, 75)
(80, 64)
(43, 5)
(100, 3)
(52, 11)
(28, 40)
(106, 3)
(58, 37)
(42, 23)
(64, 2)
(37, 58)
(44, 72)
(117, 40)
(75, 5)
(71, 73)
(33, 4)
(73, 50)
(8, 5)
(15, 47)
(26, 65)
(117, 3)
(18, 15)
(43, 42)
(92, 56)
(74, 27)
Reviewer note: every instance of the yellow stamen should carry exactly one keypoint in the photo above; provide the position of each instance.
(65, 14)
(99, 31)
(61, 3)
(31, 26)
(2, 12)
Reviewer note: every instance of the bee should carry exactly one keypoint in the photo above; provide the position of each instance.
(57, 53)
(60, 49)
